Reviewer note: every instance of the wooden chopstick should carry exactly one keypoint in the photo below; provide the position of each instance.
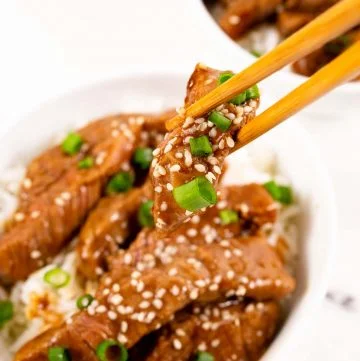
(332, 23)
(345, 67)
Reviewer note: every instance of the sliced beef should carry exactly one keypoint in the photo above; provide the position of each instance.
(173, 163)
(240, 15)
(51, 165)
(289, 22)
(228, 331)
(309, 5)
(107, 228)
(153, 280)
(50, 220)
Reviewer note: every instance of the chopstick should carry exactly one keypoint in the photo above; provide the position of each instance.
(332, 23)
(345, 67)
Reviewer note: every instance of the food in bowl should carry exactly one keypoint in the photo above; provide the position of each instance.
(89, 272)
(259, 25)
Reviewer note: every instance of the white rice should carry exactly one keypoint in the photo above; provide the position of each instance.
(253, 164)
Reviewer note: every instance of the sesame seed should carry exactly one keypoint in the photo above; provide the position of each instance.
(163, 206)
(144, 304)
(157, 303)
(247, 109)
(140, 286)
(188, 158)
(172, 272)
(194, 294)
(230, 142)
(35, 214)
(231, 116)
(213, 133)
(175, 290)
(215, 343)
(234, 20)
(175, 168)
(116, 299)
(217, 169)
(112, 315)
(169, 186)
(122, 338)
(127, 258)
(19, 216)
(177, 344)
(214, 287)
(180, 332)
(161, 169)
(168, 148)
(188, 122)
(101, 309)
(135, 274)
(156, 152)
(221, 204)
(158, 189)
(227, 253)
(59, 201)
(200, 167)
(27, 183)
(178, 155)
(35, 254)
(230, 274)
(195, 219)
(221, 144)
(202, 346)
(192, 232)
(161, 292)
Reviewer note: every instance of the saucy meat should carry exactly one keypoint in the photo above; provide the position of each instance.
(175, 161)
(228, 331)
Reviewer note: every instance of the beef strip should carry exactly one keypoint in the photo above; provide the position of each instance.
(50, 220)
(309, 5)
(228, 331)
(107, 228)
(240, 15)
(174, 165)
(108, 225)
(51, 165)
(155, 279)
(289, 22)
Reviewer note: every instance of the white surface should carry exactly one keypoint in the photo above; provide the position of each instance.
(48, 46)
(294, 152)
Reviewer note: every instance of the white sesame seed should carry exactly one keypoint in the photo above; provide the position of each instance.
(168, 148)
(135, 274)
(163, 206)
(215, 343)
(160, 293)
(221, 144)
(231, 116)
(112, 315)
(161, 169)
(214, 287)
(59, 202)
(101, 309)
(116, 299)
(230, 274)
(158, 189)
(19, 216)
(140, 286)
(213, 133)
(127, 258)
(156, 152)
(175, 168)
(27, 183)
(177, 344)
(188, 122)
(227, 253)
(35, 214)
(200, 167)
(247, 109)
(217, 169)
(230, 142)
(175, 290)
(144, 304)
(35, 254)
(172, 272)
(169, 186)
(157, 303)
(122, 338)
(195, 219)
(194, 294)
(188, 158)
(192, 232)
(234, 19)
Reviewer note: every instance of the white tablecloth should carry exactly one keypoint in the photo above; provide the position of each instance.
(48, 46)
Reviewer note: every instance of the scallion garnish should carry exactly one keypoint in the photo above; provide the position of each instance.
(282, 194)
(253, 92)
(111, 350)
(72, 144)
(6, 311)
(223, 77)
(220, 121)
(143, 157)
(239, 99)
(228, 216)
(84, 301)
(86, 163)
(256, 53)
(200, 146)
(145, 217)
(196, 194)
(57, 277)
(120, 182)
(204, 356)
(58, 354)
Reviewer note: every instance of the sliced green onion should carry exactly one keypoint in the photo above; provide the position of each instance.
(6, 311)
(57, 277)
(58, 354)
(200, 146)
(282, 194)
(143, 157)
(239, 99)
(72, 144)
(253, 92)
(228, 216)
(120, 182)
(196, 194)
(220, 121)
(256, 53)
(145, 216)
(338, 45)
(84, 301)
(223, 77)
(111, 350)
(204, 356)
(86, 163)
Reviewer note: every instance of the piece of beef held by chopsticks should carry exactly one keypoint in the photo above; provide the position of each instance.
(188, 164)
(229, 330)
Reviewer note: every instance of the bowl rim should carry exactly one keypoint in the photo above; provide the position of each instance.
(312, 297)
(230, 45)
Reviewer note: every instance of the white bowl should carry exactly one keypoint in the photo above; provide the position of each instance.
(341, 102)
(297, 156)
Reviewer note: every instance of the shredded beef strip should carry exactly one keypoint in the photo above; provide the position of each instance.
(50, 220)
(240, 15)
(53, 164)
(288, 22)
(107, 228)
(153, 280)
(228, 331)
(174, 165)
